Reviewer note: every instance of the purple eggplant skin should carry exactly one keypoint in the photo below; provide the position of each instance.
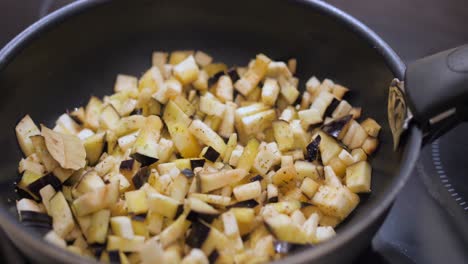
(211, 154)
(207, 218)
(114, 256)
(40, 183)
(335, 127)
(256, 178)
(127, 164)
(313, 152)
(213, 256)
(188, 173)
(198, 234)
(139, 217)
(247, 204)
(141, 177)
(137, 111)
(213, 80)
(331, 107)
(143, 159)
(232, 72)
(97, 249)
(194, 163)
(32, 216)
(273, 199)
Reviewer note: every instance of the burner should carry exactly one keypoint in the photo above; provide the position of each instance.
(443, 168)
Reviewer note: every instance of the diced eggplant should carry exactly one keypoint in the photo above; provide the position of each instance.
(248, 156)
(186, 71)
(212, 198)
(163, 205)
(201, 207)
(122, 226)
(284, 175)
(188, 173)
(247, 191)
(24, 130)
(125, 245)
(284, 229)
(198, 234)
(313, 152)
(136, 201)
(253, 76)
(329, 148)
(114, 257)
(40, 183)
(283, 135)
(97, 231)
(247, 204)
(63, 221)
(207, 136)
(127, 165)
(358, 177)
(194, 163)
(96, 200)
(210, 181)
(89, 182)
(211, 154)
(141, 177)
(174, 231)
(371, 127)
(94, 146)
(143, 159)
(336, 127)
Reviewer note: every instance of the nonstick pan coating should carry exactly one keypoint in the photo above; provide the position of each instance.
(76, 52)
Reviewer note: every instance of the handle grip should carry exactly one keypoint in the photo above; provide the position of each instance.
(437, 90)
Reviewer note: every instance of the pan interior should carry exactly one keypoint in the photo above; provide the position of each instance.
(80, 57)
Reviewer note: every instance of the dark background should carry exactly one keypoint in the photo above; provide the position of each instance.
(418, 229)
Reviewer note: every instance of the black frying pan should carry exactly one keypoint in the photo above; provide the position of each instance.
(77, 51)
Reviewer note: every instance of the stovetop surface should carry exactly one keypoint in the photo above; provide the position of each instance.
(428, 222)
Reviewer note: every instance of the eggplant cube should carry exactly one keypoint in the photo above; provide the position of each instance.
(97, 231)
(186, 71)
(339, 202)
(270, 91)
(63, 222)
(24, 130)
(358, 177)
(163, 205)
(126, 245)
(137, 202)
(283, 135)
(210, 181)
(309, 187)
(122, 226)
(247, 191)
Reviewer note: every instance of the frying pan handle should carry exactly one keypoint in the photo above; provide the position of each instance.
(437, 91)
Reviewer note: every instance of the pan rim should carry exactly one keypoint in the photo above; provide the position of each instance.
(395, 64)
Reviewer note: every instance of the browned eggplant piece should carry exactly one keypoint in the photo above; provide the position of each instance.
(127, 164)
(313, 151)
(143, 159)
(335, 127)
(214, 79)
(198, 234)
(188, 173)
(213, 256)
(232, 72)
(74, 115)
(335, 102)
(194, 163)
(256, 178)
(247, 203)
(37, 185)
(211, 154)
(141, 177)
